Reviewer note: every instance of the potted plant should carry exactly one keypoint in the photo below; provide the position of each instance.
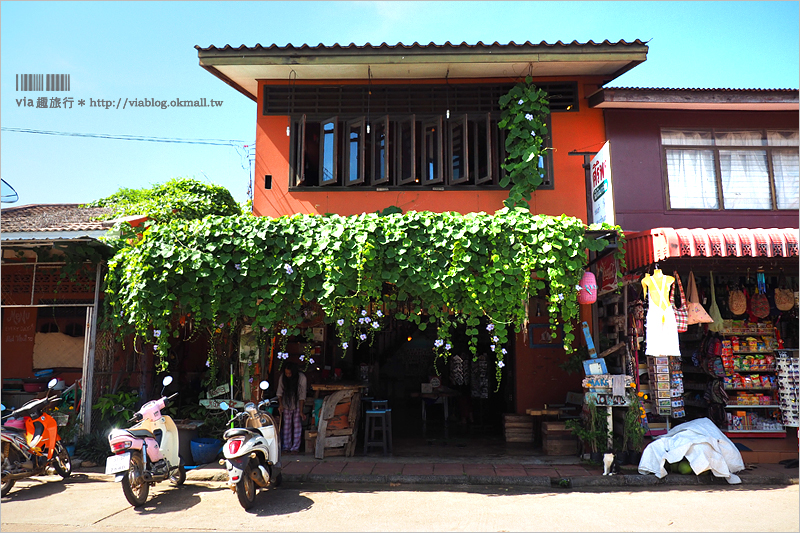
(592, 430)
(633, 428)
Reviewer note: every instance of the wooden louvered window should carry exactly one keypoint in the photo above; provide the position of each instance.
(357, 152)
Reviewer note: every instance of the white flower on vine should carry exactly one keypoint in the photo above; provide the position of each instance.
(521, 101)
(496, 338)
(504, 351)
(310, 361)
(288, 268)
(376, 325)
(156, 333)
(363, 337)
(284, 331)
(490, 327)
(367, 320)
(360, 320)
(528, 116)
(438, 342)
(302, 357)
(533, 134)
(379, 313)
(501, 364)
(491, 347)
(345, 345)
(560, 297)
(340, 322)
(363, 312)
(447, 346)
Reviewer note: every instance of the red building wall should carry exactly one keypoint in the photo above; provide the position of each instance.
(570, 131)
(538, 379)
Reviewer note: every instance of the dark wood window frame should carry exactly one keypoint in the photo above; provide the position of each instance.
(405, 151)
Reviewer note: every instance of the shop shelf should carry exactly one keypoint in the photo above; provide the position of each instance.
(742, 406)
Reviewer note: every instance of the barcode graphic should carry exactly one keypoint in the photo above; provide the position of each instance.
(43, 82)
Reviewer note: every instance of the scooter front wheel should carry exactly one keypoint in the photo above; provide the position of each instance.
(135, 488)
(246, 489)
(61, 461)
(7, 482)
(178, 475)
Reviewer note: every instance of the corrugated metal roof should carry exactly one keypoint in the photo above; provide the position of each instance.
(418, 46)
(698, 89)
(53, 218)
(658, 244)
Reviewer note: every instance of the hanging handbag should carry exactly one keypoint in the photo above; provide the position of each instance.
(759, 305)
(713, 311)
(784, 297)
(697, 315)
(681, 313)
(737, 302)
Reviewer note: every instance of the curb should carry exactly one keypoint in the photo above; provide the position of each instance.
(619, 480)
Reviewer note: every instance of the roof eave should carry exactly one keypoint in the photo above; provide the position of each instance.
(701, 99)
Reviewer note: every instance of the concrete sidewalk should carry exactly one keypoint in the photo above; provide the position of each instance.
(561, 472)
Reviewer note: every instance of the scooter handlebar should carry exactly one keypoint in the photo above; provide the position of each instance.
(136, 418)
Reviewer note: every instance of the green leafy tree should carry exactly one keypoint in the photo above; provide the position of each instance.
(179, 198)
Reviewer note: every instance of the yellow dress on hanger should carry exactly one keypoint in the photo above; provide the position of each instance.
(661, 330)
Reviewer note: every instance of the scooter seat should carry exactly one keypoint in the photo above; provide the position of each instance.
(141, 433)
(240, 432)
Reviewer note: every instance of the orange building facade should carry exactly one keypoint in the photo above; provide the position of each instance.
(449, 89)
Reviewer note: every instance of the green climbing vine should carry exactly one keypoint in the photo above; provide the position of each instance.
(524, 110)
(432, 269)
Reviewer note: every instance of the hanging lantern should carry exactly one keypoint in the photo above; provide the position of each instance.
(587, 289)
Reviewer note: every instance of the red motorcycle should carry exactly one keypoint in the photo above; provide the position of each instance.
(30, 442)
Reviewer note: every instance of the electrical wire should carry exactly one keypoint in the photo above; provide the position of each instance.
(213, 142)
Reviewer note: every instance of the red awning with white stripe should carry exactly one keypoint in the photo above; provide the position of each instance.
(658, 244)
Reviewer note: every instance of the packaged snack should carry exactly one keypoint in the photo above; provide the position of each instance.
(735, 344)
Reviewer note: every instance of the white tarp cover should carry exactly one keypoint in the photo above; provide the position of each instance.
(702, 443)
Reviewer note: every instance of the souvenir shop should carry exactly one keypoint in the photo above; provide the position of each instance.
(711, 335)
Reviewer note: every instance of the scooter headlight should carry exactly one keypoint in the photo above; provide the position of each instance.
(234, 445)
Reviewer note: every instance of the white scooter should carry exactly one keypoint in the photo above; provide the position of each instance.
(147, 452)
(253, 452)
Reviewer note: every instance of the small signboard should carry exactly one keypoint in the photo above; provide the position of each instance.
(214, 404)
(595, 367)
(222, 389)
(602, 194)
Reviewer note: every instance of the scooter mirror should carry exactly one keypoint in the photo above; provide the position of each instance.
(264, 385)
(167, 380)
(224, 406)
(2, 407)
(118, 408)
(52, 383)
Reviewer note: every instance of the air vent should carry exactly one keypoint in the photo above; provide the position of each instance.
(402, 99)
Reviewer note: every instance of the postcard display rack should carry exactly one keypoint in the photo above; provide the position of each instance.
(666, 385)
(753, 382)
(788, 367)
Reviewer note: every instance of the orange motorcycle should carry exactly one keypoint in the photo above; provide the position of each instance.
(30, 442)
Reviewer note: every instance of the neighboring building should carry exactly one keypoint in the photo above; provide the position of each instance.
(710, 158)
(352, 129)
(707, 180)
(49, 308)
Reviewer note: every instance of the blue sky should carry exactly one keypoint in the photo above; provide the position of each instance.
(146, 50)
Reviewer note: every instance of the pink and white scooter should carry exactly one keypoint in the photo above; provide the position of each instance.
(147, 452)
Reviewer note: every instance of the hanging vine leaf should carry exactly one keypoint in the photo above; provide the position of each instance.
(222, 270)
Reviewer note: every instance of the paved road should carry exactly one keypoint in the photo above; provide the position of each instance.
(83, 503)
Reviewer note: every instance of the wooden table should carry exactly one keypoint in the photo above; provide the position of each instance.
(538, 416)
